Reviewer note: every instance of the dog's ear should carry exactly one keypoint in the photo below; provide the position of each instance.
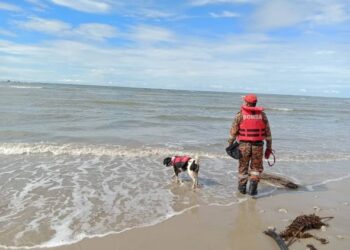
(167, 161)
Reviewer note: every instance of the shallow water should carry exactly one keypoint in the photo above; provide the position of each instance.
(79, 161)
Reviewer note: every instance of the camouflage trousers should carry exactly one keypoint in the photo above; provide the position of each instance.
(251, 162)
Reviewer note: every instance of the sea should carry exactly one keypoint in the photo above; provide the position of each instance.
(83, 161)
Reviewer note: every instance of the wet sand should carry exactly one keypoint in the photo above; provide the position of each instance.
(239, 226)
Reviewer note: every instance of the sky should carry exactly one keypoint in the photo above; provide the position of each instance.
(295, 47)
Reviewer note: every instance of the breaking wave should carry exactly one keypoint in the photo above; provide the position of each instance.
(281, 109)
(148, 151)
(95, 150)
(24, 87)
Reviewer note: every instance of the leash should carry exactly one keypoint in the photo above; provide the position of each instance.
(274, 158)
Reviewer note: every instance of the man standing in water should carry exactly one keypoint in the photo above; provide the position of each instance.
(250, 128)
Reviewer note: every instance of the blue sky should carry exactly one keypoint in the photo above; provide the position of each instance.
(264, 46)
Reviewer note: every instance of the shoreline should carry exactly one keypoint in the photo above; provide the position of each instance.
(237, 226)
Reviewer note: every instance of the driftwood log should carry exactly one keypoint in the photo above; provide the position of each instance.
(277, 180)
(280, 242)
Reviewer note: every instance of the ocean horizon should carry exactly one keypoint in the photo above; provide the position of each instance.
(97, 85)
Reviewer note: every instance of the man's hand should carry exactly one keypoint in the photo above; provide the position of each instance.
(268, 152)
(230, 141)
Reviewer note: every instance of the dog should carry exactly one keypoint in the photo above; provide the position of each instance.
(181, 164)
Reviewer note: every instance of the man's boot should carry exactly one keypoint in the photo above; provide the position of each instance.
(242, 188)
(253, 188)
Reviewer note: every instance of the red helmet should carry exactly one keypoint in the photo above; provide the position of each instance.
(251, 98)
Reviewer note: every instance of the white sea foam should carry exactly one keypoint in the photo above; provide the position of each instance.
(147, 151)
(311, 186)
(282, 109)
(82, 198)
(96, 150)
(24, 87)
(238, 201)
(312, 157)
(60, 238)
(97, 190)
(265, 193)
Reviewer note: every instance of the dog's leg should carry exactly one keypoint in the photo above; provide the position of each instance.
(193, 177)
(196, 179)
(193, 170)
(176, 175)
(196, 171)
(178, 180)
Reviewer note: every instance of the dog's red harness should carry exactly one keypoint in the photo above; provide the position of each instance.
(252, 128)
(180, 159)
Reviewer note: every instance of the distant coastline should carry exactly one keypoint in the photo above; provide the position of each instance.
(161, 89)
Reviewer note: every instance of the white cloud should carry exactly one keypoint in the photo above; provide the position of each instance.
(91, 6)
(225, 14)
(254, 61)
(272, 14)
(147, 33)
(6, 33)
(38, 4)
(19, 50)
(87, 31)
(330, 13)
(141, 14)
(153, 13)
(217, 86)
(70, 80)
(9, 7)
(95, 31)
(232, 62)
(325, 52)
(278, 13)
(207, 2)
(49, 26)
(331, 91)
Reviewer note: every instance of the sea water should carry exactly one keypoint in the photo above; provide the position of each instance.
(81, 161)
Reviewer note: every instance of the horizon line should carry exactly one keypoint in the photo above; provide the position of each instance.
(154, 88)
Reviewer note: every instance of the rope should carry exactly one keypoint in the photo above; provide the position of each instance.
(274, 159)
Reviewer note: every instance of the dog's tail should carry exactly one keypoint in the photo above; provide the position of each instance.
(196, 158)
(196, 164)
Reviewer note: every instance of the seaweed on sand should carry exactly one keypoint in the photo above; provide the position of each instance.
(301, 224)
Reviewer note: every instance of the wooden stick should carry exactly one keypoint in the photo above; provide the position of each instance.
(280, 242)
(327, 218)
(291, 240)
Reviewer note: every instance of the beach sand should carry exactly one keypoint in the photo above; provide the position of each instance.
(239, 226)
